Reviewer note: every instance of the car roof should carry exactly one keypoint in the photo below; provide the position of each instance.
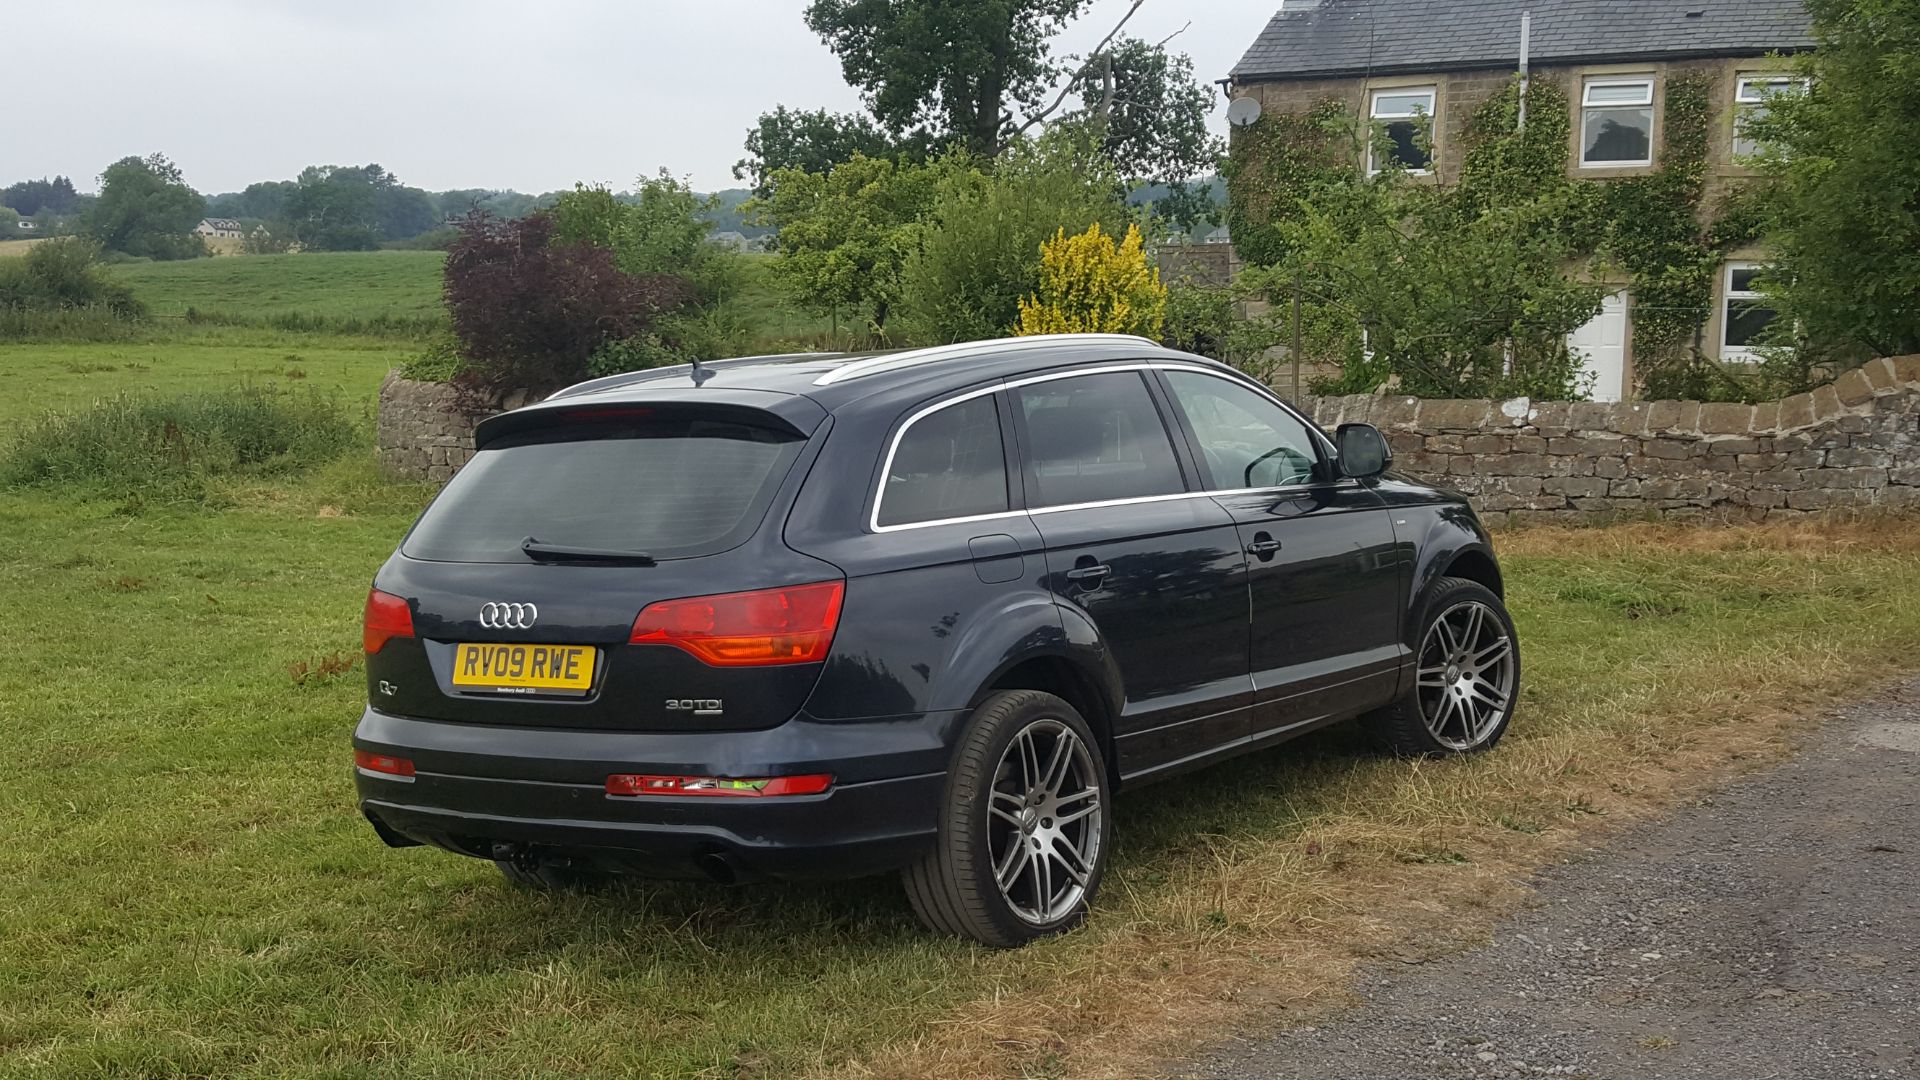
(836, 380)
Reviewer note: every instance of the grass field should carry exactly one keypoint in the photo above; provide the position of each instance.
(59, 375)
(186, 888)
(332, 286)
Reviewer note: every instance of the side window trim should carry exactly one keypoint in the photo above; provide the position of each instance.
(1150, 382)
(1323, 464)
(1007, 461)
(1014, 450)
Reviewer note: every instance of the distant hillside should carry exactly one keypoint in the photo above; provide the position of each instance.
(257, 203)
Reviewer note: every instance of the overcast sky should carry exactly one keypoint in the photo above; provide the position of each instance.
(450, 93)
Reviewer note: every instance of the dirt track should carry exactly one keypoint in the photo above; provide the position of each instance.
(1770, 930)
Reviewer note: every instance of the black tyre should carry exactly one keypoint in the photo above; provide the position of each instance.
(551, 876)
(1025, 828)
(1467, 676)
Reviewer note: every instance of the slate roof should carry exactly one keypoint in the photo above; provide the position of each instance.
(1383, 37)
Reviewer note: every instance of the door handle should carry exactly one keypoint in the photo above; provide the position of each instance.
(1089, 573)
(1263, 546)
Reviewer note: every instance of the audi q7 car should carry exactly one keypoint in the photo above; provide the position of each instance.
(930, 611)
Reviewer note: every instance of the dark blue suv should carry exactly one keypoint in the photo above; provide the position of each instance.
(822, 615)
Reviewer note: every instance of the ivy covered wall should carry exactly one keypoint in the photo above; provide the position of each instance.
(1662, 232)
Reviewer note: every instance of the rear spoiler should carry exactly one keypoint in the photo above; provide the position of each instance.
(789, 413)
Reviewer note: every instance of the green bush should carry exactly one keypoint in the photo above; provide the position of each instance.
(981, 253)
(60, 290)
(170, 447)
(439, 362)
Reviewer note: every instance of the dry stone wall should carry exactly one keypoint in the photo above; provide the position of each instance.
(424, 430)
(1854, 444)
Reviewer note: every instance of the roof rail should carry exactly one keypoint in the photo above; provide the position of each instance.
(860, 369)
(630, 378)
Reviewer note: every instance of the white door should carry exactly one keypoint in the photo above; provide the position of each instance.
(1601, 346)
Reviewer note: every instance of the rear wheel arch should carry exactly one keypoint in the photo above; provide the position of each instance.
(1067, 680)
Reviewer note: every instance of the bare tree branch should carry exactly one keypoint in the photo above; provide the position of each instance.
(1098, 50)
(1162, 43)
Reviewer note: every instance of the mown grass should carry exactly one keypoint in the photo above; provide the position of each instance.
(380, 292)
(186, 888)
(37, 377)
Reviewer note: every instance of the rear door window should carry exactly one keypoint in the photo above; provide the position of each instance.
(948, 464)
(1095, 438)
(671, 488)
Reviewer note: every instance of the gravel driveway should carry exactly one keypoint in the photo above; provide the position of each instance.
(1772, 930)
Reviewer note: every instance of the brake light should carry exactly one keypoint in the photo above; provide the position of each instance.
(383, 763)
(793, 625)
(606, 414)
(632, 784)
(387, 617)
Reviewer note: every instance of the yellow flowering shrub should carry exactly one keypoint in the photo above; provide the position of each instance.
(1091, 285)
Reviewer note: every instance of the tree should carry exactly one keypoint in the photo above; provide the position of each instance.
(846, 233)
(955, 70)
(352, 207)
(812, 142)
(146, 208)
(1410, 283)
(1091, 285)
(936, 74)
(266, 200)
(530, 309)
(661, 229)
(1150, 114)
(29, 197)
(1841, 211)
(980, 254)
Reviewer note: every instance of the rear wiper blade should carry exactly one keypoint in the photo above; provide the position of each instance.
(541, 552)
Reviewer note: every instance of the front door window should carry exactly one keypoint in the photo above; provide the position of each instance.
(1247, 440)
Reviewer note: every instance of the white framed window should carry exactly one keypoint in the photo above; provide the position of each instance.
(1403, 119)
(1616, 121)
(1743, 313)
(1750, 96)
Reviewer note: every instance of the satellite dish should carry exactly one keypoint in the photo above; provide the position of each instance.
(1243, 111)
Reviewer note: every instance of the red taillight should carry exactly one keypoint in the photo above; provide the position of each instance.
(634, 784)
(383, 763)
(793, 625)
(387, 617)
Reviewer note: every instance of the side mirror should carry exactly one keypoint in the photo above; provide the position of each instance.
(1364, 452)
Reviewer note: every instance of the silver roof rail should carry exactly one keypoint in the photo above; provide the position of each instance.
(894, 361)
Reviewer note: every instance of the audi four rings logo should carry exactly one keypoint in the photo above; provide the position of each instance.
(508, 616)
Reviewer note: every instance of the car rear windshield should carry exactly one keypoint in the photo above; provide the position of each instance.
(670, 488)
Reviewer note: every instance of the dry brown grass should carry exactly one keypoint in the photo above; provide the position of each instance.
(1661, 660)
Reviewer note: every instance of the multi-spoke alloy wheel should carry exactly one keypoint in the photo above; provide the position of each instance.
(1044, 838)
(1466, 674)
(1024, 830)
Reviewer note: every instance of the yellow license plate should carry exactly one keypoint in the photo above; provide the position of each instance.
(525, 669)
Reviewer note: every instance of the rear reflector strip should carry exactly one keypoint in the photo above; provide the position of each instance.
(633, 784)
(384, 764)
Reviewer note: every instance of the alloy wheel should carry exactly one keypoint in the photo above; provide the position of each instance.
(1467, 674)
(1043, 826)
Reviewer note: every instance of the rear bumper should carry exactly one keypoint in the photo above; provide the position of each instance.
(497, 792)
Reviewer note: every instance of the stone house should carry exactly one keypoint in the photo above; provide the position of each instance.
(1419, 69)
(221, 227)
